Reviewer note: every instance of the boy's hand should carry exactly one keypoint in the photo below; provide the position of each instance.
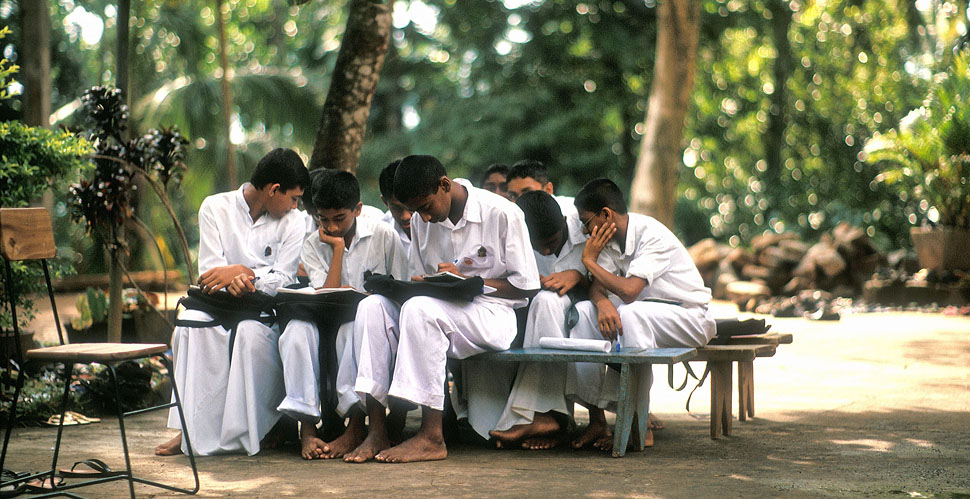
(449, 267)
(609, 320)
(598, 238)
(220, 277)
(240, 285)
(561, 282)
(333, 241)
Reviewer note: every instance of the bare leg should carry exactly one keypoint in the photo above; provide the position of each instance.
(597, 430)
(311, 445)
(171, 448)
(349, 440)
(427, 445)
(542, 425)
(396, 419)
(376, 440)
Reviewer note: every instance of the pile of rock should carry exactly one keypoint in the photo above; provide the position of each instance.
(783, 265)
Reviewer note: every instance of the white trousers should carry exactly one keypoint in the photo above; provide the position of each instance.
(645, 325)
(539, 386)
(229, 407)
(404, 352)
(300, 352)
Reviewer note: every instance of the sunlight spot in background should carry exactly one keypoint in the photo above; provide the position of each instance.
(867, 444)
(83, 24)
(515, 4)
(410, 117)
(423, 16)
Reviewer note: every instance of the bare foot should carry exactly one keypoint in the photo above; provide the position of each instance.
(540, 443)
(594, 434)
(348, 441)
(311, 445)
(418, 448)
(375, 442)
(171, 448)
(654, 423)
(543, 424)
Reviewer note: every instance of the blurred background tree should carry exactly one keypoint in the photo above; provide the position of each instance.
(785, 94)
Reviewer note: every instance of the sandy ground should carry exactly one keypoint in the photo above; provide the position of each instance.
(873, 405)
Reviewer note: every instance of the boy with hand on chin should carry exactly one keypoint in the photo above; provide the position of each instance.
(249, 240)
(487, 237)
(343, 248)
(654, 298)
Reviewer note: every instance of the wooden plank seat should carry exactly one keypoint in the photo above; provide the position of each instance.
(743, 350)
(96, 352)
(626, 401)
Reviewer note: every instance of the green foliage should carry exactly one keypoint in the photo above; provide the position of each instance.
(93, 307)
(926, 162)
(7, 70)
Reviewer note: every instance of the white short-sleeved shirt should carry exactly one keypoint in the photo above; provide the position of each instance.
(566, 204)
(229, 236)
(405, 237)
(570, 257)
(490, 240)
(374, 247)
(655, 254)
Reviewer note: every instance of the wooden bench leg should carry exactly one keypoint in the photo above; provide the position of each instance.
(720, 399)
(624, 412)
(745, 390)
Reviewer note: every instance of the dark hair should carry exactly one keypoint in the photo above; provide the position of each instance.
(317, 177)
(529, 168)
(386, 180)
(281, 166)
(494, 168)
(543, 216)
(417, 176)
(335, 191)
(598, 194)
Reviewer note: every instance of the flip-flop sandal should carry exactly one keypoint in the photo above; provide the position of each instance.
(55, 419)
(12, 488)
(47, 484)
(89, 468)
(82, 419)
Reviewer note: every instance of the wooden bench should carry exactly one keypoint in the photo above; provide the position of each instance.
(743, 350)
(625, 404)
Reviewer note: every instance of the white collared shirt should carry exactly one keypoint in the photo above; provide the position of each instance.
(229, 236)
(490, 240)
(654, 254)
(404, 236)
(570, 257)
(566, 204)
(374, 247)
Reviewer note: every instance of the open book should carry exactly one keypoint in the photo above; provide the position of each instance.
(313, 291)
(450, 277)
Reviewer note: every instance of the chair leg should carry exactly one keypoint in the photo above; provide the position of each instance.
(625, 409)
(745, 390)
(68, 374)
(121, 426)
(11, 417)
(185, 434)
(720, 399)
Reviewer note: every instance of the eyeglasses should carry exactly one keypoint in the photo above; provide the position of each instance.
(586, 223)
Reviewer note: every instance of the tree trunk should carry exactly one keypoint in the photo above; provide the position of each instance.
(122, 62)
(355, 75)
(661, 151)
(36, 48)
(231, 173)
(115, 298)
(775, 134)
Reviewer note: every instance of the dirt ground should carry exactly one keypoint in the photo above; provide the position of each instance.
(873, 405)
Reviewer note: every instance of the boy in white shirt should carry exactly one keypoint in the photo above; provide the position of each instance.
(530, 175)
(654, 298)
(249, 240)
(398, 215)
(537, 408)
(344, 247)
(466, 231)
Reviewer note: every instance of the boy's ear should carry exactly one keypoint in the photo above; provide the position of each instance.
(273, 190)
(548, 188)
(445, 184)
(358, 208)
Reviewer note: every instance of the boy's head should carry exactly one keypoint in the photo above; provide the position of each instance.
(598, 202)
(400, 213)
(494, 179)
(528, 175)
(317, 177)
(336, 202)
(281, 178)
(543, 217)
(422, 184)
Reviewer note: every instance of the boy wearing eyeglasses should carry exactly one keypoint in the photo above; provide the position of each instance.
(344, 247)
(654, 298)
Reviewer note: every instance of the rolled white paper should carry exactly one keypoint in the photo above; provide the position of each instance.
(575, 344)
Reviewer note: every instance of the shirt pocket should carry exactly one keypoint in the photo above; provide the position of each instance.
(477, 263)
(266, 248)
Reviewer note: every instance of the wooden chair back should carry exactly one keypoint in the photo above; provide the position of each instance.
(26, 234)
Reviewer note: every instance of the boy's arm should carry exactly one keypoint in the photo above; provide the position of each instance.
(215, 272)
(627, 288)
(564, 281)
(608, 318)
(335, 272)
(395, 258)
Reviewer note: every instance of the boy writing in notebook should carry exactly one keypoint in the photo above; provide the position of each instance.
(343, 248)
(646, 292)
(404, 348)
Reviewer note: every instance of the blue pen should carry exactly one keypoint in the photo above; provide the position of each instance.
(617, 346)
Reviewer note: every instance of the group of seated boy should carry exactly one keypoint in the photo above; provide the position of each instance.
(582, 267)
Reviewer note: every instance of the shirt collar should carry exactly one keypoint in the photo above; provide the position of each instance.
(243, 205)
(362, 229)
(473, 205)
